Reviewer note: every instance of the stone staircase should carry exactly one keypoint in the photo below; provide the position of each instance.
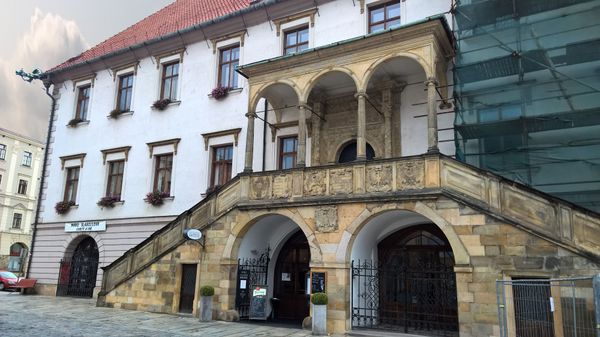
(409, 178)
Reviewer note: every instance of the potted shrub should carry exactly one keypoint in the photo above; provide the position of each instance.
(162, 104)
(107, 202)
(206, 297)
(156, 198)
(73, 122)
(115, 113)
(220, 92)
(63, 207)
(319, 316)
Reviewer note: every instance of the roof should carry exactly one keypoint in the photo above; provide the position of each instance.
(23, 137)
(177, 16)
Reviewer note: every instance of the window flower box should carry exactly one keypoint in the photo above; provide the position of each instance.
(220, 92)
(108, 201)
(156, 198)
(74, 122)
(161, 104)
(63, 207)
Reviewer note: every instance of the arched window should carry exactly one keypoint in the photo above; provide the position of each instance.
(348, 153)
(18, 253)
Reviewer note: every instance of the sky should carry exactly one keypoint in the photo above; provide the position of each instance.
(44, 33)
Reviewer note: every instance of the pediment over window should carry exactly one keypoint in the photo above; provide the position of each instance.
(117, 153)
(74, 160)
(163, 146)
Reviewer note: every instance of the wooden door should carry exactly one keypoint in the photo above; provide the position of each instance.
(188, 288)
(291, 276)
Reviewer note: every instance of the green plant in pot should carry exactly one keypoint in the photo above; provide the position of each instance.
(319, 313)
(206, 297)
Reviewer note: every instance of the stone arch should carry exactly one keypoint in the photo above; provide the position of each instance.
(344, 252)
(74, 239)
(310, 85)
(427, 68)
(261, 90)
(234, 241)
(377, 147)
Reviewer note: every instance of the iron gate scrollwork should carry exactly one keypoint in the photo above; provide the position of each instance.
(251, 272)
(77, 276)
(394, 297)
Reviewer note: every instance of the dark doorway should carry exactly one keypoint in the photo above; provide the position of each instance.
(291, 276)
(348, 153)
(533, 314)
(188, 288)
(77, 276)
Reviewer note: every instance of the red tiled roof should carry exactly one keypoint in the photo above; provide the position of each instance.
(179, 15)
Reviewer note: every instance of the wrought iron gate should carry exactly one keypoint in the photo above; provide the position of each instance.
(549, 307)
(251, 272)
(395, 297)
(77, 276)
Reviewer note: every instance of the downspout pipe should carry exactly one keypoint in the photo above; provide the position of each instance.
(47, 85)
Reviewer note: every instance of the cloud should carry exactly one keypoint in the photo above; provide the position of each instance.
(50, 40)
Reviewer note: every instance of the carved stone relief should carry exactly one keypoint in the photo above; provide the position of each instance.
(282, 186)
(410, 174)
(314, 183)
(326, 219)
(379, 178)
(340, 181)
(260, 187)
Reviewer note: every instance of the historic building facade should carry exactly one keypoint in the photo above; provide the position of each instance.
(305, 144)
(20, 171)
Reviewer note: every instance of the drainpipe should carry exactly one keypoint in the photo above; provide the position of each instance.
(47, 85)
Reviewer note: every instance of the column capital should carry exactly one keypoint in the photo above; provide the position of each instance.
(361, 94)
(431, 80)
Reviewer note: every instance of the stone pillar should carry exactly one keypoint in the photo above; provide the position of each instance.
(432, 128)
(361, 141)
(249, 142)
(301, 160)
(316, 133)
(386, 109)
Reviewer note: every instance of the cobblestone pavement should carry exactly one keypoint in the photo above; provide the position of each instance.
(33, 316)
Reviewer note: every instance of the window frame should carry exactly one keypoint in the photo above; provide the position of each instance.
(214, 165)
(81, 98)
(296, 30)
(22, 185)
(385, 20)
(71, 183)
(172, 78)
(118, 175)
(281, 154)
(16, 216)
(27, 159)
(3, 148)
(158, 170)
(128, 89)
(232, 73)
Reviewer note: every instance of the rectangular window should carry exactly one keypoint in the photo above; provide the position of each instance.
(170, 76)
(288, 147)
(71, 184)
(22, 187)
(2, 151)
(221, 165)
(27, 157)
(229, 58)
(384, 16)
(83, 102)
(162, 173)
(296, 40)
(115, 179)
(125, 92)
(17, 218)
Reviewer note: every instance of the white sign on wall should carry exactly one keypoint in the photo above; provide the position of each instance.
(85, 226)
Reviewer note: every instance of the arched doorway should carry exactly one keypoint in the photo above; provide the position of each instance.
(403, 276)
(417, 282)
(78, 274)
(292, 272)
(348, 153)
(16, 260)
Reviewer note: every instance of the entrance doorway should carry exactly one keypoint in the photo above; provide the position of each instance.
(188, 288)
(77, 276)
(411, 288)
(292, 273)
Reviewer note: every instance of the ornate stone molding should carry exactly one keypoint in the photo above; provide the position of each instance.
(241, 35)
(293, 17)
(278, 126)
(158, 57)
(174, 142)
(117, 69)
(233, 132)
(123, 149)
(90, 77)
(64, 159)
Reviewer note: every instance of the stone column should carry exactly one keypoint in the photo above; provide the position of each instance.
(249, 142)
(316, 133)
(301, 160)
(386, 109)
(361, 141)
(432, 128)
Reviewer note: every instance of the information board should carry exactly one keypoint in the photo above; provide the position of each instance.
(317, 282)
(258, 303)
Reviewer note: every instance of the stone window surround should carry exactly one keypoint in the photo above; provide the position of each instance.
(75, 160)
(119, 71)
(231, 132)
(168, 146)
(224, 42)
(289, 21)
(165, 58)
(82, 82)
